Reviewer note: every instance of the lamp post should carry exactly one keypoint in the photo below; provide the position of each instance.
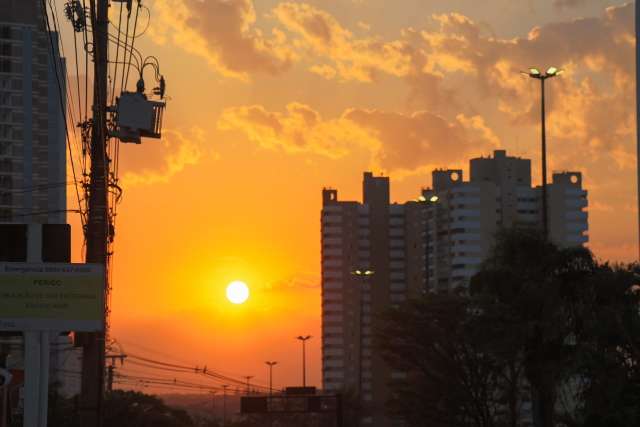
(304, 339)
(271, 365)
(248, 378)
(363, 275)
(213, 402)
(224, 405)
(535, 73)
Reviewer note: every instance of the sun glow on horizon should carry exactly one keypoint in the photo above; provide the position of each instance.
(237, 292)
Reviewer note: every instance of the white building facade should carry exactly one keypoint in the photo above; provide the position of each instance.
(463, 217)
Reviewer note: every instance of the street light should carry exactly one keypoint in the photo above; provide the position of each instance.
(248, 378)
(362, 272)
(271, 365)
(224, 404)
(362, 275)
(304, 358)
(432, 199)
(535, 73)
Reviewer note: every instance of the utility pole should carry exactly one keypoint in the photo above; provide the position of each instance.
(112, 367)
(97, 233)
(637, 5)
(110, 370)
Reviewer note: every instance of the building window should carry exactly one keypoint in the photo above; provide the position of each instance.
(5, 66)
(5, 49)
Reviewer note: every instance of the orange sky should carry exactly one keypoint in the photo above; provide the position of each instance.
(270, 101)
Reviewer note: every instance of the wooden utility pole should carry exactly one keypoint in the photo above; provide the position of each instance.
(97, 232)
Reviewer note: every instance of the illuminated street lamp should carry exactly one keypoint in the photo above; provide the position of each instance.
(535, 73)
(432, 199)
(304, 339)
(363, 275)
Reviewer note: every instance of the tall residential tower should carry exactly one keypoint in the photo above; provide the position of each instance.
(384, 243)
(32, 133)
(464, 216)
(377, 254)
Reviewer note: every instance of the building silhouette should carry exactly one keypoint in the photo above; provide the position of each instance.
(377, 254)
(370, 237)
(33, 178)
(464, 216)
(32, 133)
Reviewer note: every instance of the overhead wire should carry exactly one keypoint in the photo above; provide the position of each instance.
(45, 15)
(204, 371)
(183, 368)
(133, 39)
(68, 92)
(146, 27)
(115, 72)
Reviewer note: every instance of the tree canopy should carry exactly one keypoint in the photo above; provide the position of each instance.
(542, 334)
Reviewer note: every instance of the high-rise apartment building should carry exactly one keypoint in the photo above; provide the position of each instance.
(463, 217)
(377, 254)
(32, 134)
(32, 171)
(372, 258)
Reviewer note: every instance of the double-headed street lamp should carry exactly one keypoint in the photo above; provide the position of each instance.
(304, 339)
(432, 199)
(535, 73)
(363, 275)
(271, 364)
(248, 378)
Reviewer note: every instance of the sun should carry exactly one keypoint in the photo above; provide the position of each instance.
(237, 292)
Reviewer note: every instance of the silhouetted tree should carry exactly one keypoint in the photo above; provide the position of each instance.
(607, 337)
(123, 409)
(539, 324)
(524, 286)
(450, 380)
(574, 322)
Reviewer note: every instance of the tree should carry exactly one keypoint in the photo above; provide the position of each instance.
(524, 284)
(450, 380)
(608, 343)
(540, 324)
(574, 321)
(123, 409)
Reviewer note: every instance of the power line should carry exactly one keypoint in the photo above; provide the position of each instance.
(45, 15)
(204, 371)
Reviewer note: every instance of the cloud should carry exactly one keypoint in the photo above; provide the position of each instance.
(318, 34)
(597, 54)
(397, 142)
(406, 142)
(566, 4)
(299, 129)
(222, 32)
(160, 161)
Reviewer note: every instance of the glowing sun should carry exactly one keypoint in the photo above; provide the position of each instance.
(237, 292)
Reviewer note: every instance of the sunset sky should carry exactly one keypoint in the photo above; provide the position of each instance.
(269, 101)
